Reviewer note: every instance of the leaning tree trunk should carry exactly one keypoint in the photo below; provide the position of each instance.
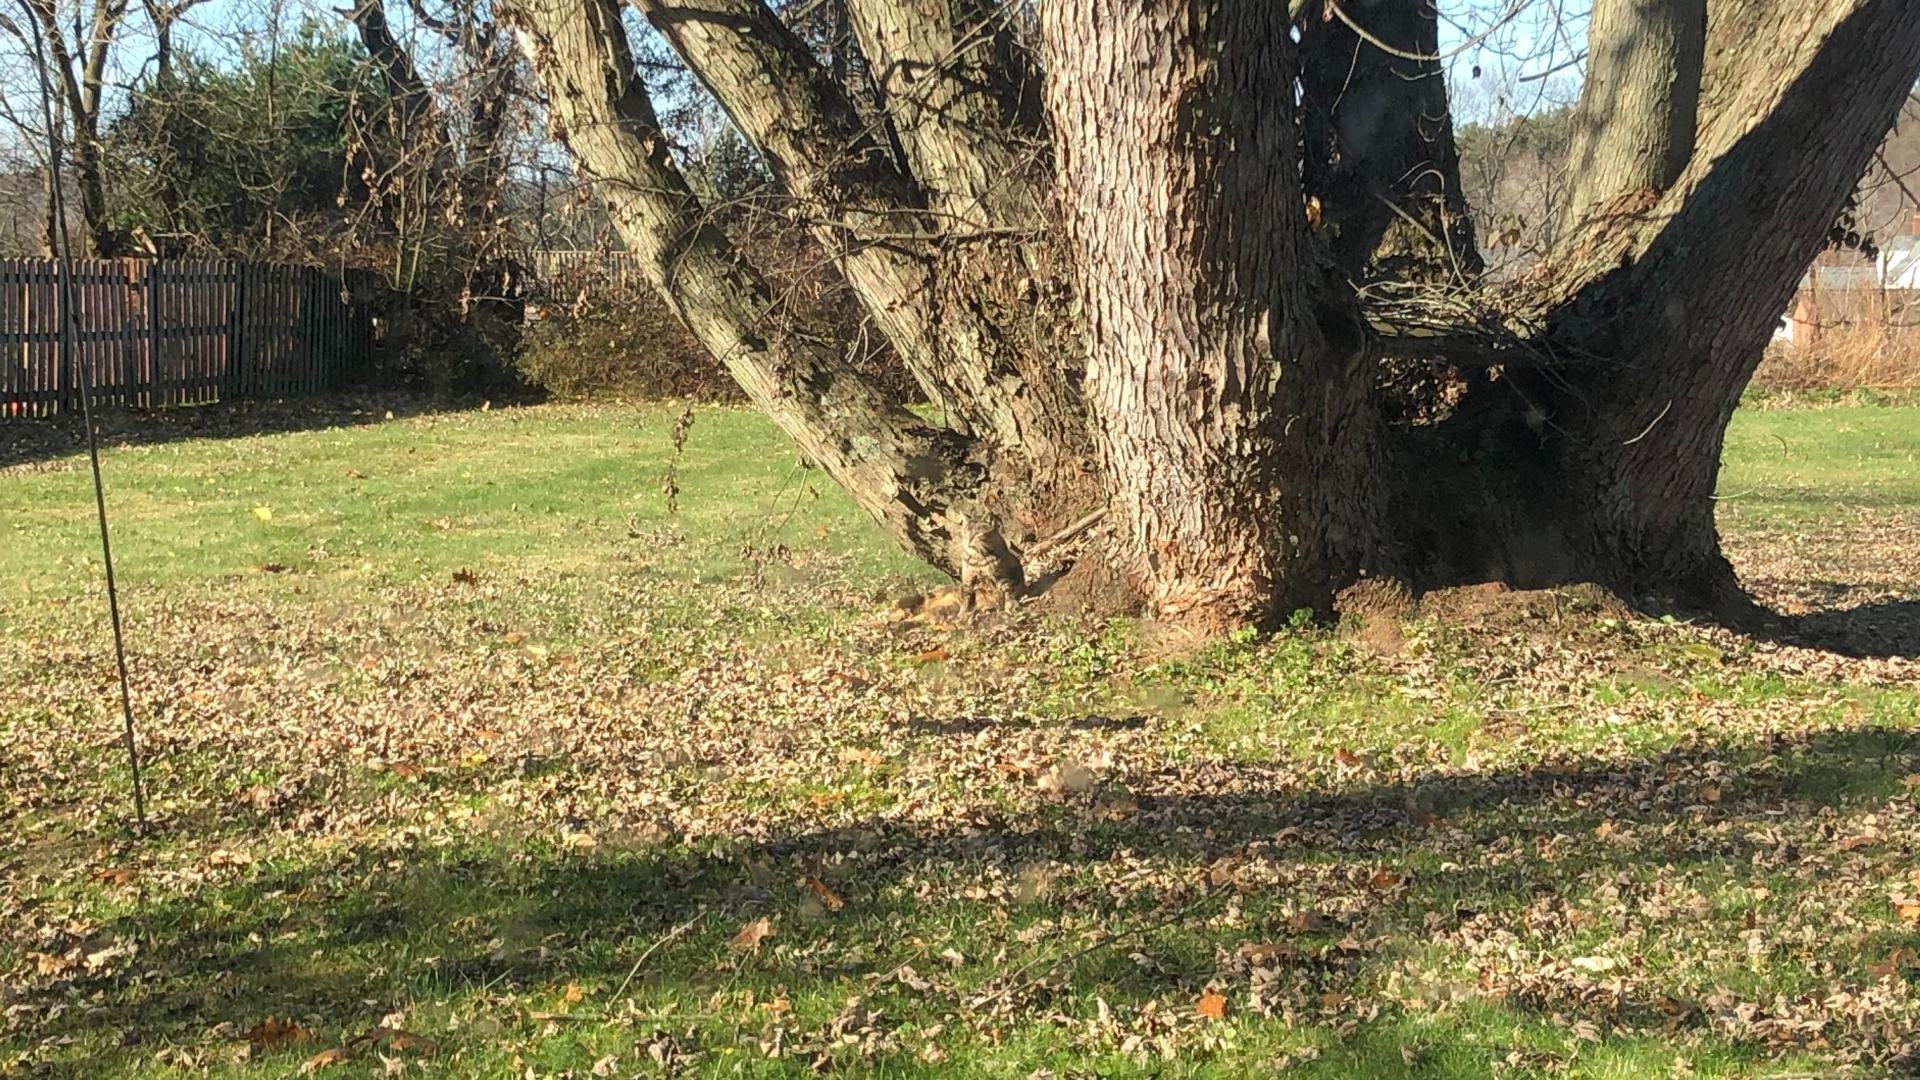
(1596, 456)
(1231, 403)
(897, 238)
(922, 485)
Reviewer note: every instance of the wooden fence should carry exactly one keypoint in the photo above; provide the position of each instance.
(176, 332)
(556, 276)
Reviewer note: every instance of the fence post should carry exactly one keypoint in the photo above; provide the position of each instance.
(154, 350)
(236, 336)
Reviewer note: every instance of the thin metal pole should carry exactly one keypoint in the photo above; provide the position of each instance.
(69, 328)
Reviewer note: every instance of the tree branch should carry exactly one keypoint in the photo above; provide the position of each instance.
(964, 99)
(913, 479)
(1634, 127)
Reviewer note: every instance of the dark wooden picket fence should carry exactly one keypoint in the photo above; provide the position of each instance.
(154, 333)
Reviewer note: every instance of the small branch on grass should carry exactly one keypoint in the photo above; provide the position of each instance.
(1016, 983)
(1072, 531)
(653, 948)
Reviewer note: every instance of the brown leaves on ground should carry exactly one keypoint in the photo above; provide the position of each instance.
(1513, 813)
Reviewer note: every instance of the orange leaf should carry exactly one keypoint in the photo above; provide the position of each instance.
(572, 993)
(752, 934)
(273, 1033)
(324, 1058)
(1384, 879)
(407, 1040)
(936, 655)
(1213, 1005)
(1910, 913)
(827, 896)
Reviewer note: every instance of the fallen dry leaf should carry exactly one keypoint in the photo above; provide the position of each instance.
(274, 1032)
(752, 934)
(1213, 1005)
(828, 898)
(1385, 880)
(325, 1058)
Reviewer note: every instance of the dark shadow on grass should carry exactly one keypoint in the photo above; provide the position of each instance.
(1880, 629)
(319, 939)
(40, 439)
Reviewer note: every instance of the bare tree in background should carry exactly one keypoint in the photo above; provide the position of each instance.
(1147, 261)
(437, 156)
(77, 47)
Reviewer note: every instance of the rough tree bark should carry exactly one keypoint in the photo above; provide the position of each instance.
(1683, 314)
(1232, 413)
(1633, 131)
(1247, 214)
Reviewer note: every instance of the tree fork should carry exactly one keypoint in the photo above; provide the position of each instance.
(897, 253)
(1677, 296)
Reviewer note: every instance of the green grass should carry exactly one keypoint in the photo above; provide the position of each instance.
(1793, 466)
(472, 736)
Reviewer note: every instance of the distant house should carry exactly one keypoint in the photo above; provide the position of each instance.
(1847, 289)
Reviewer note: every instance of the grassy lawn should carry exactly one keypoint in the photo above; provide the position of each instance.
(472, 755)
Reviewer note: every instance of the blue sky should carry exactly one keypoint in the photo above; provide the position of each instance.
(1504, 57)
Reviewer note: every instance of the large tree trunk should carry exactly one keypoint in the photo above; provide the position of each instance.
(1231, 404)
(1717, 261)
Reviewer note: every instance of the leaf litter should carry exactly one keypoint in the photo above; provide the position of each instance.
(1622, 827)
